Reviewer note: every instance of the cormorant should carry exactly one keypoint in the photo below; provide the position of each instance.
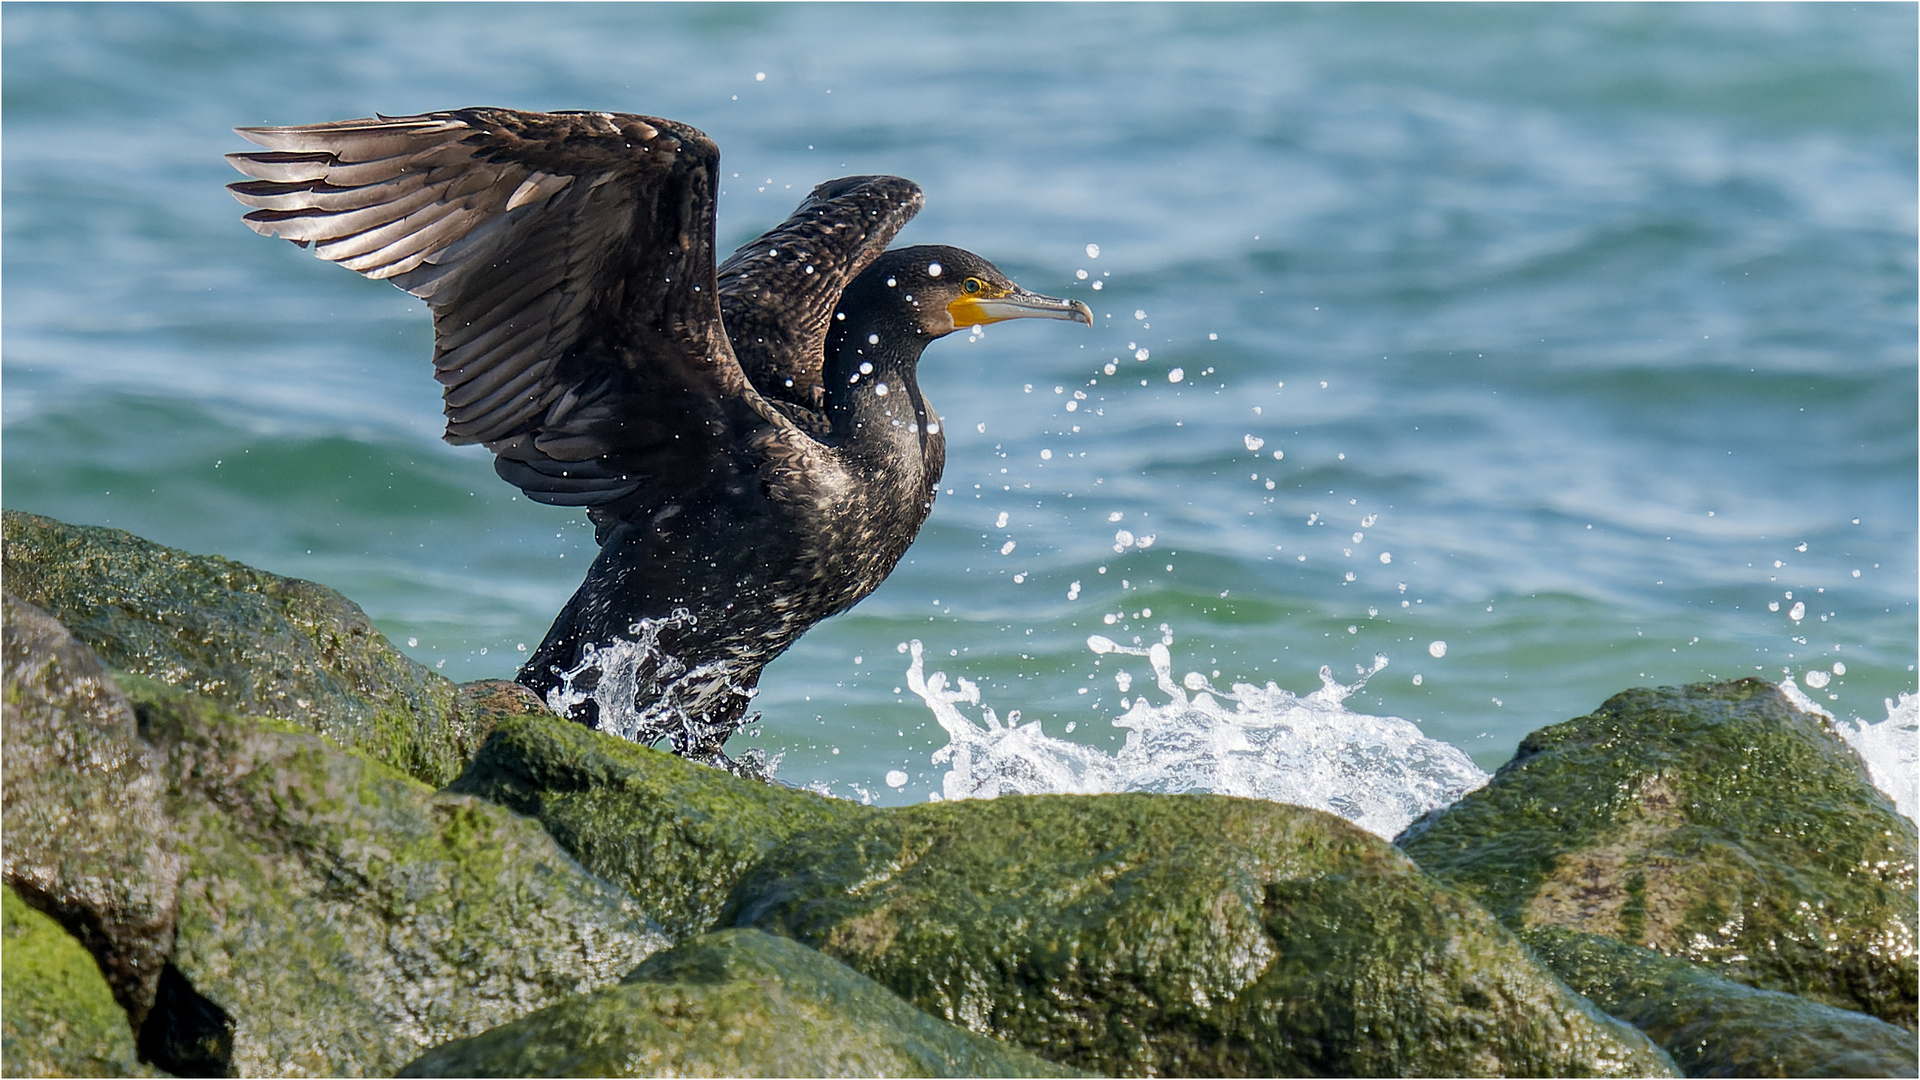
(749, 440)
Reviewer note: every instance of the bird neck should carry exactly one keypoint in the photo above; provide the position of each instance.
(872, 395)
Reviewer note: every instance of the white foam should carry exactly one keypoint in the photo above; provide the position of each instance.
(1891, 749)
(620, 674)
(1380, 773)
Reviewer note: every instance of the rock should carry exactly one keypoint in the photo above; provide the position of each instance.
(1189, 935)
(57, 1016)
(674, 834)
(345, 917)
(479, 705)
(1714, 1027)
(284, 906)
(259, 644)
(88, 838)
(734, 1003)
(1713, 822)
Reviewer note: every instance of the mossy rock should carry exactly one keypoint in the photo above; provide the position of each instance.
(1714, 822)
(88, 836)
(674, 834)
(345, 917)
(1715, 1027)
(256, 643)
(57, 1016)
(734, 1003)
(1188, 935)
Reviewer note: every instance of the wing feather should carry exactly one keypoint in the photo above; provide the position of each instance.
(568, 261)
(778, 292)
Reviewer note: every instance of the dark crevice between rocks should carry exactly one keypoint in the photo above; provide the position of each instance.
(84, 923)
(185, 1033)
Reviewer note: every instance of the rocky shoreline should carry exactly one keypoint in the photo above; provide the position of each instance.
(244, 835)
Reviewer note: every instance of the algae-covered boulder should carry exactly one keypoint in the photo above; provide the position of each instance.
(259, 644)
(1713, 822)
(1181, 935)
(1714, 1027)
(88, 837)
(734, 1003)
(308, 911)
(57, 1016)
(675, 834)
(345, 917)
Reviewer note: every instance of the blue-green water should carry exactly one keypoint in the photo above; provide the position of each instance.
(1598, 322)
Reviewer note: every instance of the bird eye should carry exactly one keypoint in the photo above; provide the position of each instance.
(971, 285)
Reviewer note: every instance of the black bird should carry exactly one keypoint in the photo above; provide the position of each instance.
(749, 440)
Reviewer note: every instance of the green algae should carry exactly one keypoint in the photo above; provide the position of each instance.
(674, 834)
(346, 917)
(57, 1016)
(733, 1003)
(259, 644)
(1181, 935)
(88, 838)
(1715, 1027)
(1713, 822)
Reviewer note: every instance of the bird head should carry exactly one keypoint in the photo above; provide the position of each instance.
(937, 289)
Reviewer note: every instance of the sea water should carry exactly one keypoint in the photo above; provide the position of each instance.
(1545, 351)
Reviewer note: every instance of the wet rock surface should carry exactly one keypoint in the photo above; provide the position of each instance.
(57, 1016)
(324, 914)
(346, 917)
(733, 1003)
(1189, 935)
(1715, 1027)
(1716, 823)
(235, 833)
(256, 643)
(674, 834)
(88, 836)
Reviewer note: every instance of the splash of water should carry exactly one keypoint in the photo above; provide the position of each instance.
(1890, 748)
(1380, 773)
(645, 694)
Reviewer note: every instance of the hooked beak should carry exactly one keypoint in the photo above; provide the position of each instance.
(1018, 304)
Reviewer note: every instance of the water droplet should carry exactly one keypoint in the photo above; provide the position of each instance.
(1254, 442)
(1818, 679)
(934, 269)
(1437, 649)
(1174, 376)
(1093, 251)
(1798, 612)
(896, 778)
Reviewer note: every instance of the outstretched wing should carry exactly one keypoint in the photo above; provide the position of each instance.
(778, 292)
(568, 261)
